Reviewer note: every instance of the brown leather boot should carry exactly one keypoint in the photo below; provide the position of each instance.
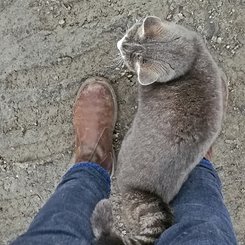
(94, 118)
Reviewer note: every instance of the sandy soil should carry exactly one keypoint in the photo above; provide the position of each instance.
(48, 48)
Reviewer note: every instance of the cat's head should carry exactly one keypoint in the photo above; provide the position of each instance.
(157, 51)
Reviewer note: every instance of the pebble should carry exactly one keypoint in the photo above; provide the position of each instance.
(120, 225)
(229, 141)
(171, 7)
(219, 40)
(220, 4)
(116, 135)
(179, 17)
(169, 17)
(67, 6)
(62, 22)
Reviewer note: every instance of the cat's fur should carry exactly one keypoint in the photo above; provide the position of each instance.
(179, 116)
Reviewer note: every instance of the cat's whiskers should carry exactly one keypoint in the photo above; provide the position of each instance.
(159, 66)
(122, 33)
(118, 62)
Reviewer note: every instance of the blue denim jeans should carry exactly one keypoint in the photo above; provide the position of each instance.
(201, 217)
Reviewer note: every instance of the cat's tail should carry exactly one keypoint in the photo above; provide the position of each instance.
(102, 225)
(105, 234)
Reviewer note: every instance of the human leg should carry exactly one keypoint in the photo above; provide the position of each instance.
(65, 218)
(201, 216)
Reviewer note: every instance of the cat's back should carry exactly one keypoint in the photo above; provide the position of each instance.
(172, 119)
(183, 108)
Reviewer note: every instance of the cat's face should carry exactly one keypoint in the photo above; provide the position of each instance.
(157, 51)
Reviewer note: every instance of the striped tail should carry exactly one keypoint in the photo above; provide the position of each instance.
(150, 215)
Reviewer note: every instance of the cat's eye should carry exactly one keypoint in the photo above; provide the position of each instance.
(138, 56)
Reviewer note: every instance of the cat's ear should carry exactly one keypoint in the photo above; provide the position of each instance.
(151, 27)
(146, 75)
(149, 73)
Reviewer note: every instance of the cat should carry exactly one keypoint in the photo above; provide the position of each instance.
(182, 96)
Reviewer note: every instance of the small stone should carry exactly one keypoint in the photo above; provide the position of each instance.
(229, 141)
(219, 40)
(116, 135)
(124, 232)
(180, 15)
(227, 46)
(120, 225)
(199, 29)
(171, 7)
(68, 6)
(62, 22)
(220, 4)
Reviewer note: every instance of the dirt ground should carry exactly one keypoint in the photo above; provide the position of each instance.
(48, 48)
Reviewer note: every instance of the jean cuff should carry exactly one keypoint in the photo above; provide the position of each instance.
(206, 163)
(94, 167)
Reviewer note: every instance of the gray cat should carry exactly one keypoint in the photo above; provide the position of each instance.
(181, 101)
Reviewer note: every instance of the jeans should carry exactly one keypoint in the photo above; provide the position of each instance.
(201, 217)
